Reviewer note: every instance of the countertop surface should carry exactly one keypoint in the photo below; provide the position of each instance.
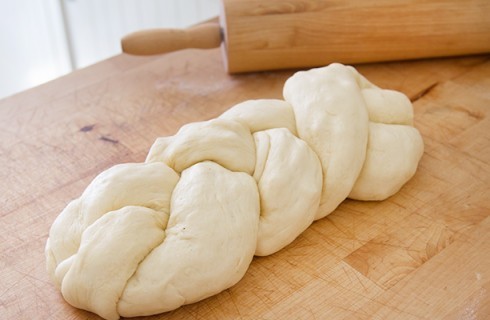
(424, 253)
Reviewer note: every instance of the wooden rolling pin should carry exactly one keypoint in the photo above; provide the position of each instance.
(276, 34)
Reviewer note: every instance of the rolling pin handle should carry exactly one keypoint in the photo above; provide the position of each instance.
(157, 41)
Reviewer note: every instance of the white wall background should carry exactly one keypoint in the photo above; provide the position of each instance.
(43, 39)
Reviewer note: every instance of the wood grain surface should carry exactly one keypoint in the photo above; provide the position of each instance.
(422, 254)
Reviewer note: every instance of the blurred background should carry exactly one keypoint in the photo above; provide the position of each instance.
(45, 39)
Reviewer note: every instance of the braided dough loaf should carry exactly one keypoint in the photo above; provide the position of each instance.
(146, 238)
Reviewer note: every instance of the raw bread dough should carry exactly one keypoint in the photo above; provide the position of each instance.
(198, 257)
(392, 156)
(216, 140)
(259, 115)
(148, 185)
(146, 238)
(331, 117)
(288, 197)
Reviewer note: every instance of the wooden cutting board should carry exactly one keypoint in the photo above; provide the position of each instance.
(422, 254)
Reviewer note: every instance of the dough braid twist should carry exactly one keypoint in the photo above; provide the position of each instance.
(146, 238)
